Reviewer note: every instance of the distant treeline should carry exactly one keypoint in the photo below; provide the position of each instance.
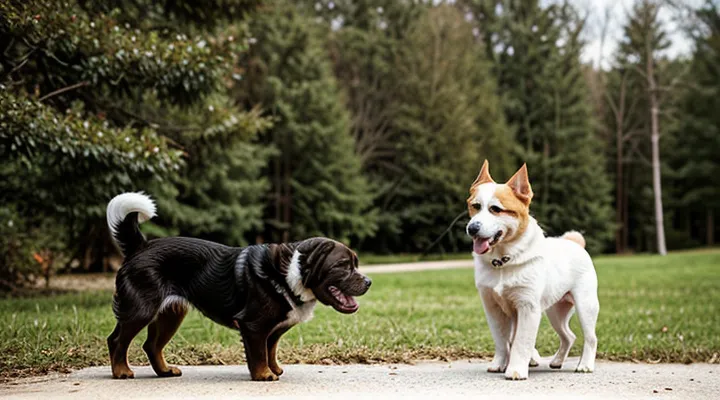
(366, 121)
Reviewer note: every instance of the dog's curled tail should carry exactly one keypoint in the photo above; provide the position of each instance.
(574, 236)
(125, 213)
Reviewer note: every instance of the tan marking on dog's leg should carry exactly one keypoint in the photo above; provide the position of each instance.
(272, 344)
(118, 344)
(256, 352)
(160, 332)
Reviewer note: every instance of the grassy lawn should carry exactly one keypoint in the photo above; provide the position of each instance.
(653, 309)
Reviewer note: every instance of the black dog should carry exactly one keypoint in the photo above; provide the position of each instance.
(261, 290)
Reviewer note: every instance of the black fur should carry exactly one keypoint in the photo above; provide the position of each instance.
(128, 235)
(240, 288)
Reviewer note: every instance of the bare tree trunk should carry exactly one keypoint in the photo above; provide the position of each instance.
(710, 227)
(287, 215)
(655, 139)
(619, 199)
(625, 217)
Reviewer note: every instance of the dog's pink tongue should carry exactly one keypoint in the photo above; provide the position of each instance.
(481, 246)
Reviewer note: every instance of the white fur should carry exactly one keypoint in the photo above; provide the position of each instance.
(304, 312)
(490, 223)
(543, 274)
(123, 204)
(294, 279)
(300, 314)
(171, 300)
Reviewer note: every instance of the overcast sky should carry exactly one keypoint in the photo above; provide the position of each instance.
(596, 8)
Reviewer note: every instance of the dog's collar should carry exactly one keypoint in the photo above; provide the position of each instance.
(277, 279)
(292, 299)
(500, 262)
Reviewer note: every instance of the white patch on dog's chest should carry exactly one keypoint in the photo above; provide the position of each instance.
(299, 314)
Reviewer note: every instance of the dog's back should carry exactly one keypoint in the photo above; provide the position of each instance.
(179, 269)
(162, 272)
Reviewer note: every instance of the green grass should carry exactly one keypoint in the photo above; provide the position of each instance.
(653, 309)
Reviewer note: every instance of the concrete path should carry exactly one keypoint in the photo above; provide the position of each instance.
(416, 266)
(106, 281)
(466, 378)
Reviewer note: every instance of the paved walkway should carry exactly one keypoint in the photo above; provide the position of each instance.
(107, 281)
(416, 266)
(459, 379)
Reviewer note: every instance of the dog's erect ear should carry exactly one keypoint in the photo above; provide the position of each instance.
(483, 176)
(520, 185)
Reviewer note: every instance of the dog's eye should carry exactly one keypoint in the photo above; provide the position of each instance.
(495, 209)
(477, 206)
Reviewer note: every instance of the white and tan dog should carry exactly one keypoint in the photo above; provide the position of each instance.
(520, 273)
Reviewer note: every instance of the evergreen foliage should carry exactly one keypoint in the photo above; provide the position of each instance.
(363, 120)
(96, 100)
(447, 121)
(536, 54)
(316, 183)
(643, 37)
(697, 148)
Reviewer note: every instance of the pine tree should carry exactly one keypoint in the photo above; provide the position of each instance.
(446, 121)
(695, 154)
(93, 100)
(536, 53)
(649, 80)
(316, 183)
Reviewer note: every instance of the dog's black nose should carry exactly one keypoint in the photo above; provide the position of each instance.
(473, 228)
(368, 282)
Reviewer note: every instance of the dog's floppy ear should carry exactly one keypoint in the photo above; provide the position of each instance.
(483, 176)
(520, 185)
(316, 251)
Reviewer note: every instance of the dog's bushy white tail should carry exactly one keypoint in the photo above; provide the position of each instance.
(574, 236)
(124, 213)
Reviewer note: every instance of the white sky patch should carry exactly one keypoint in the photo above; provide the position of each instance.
(681, 45)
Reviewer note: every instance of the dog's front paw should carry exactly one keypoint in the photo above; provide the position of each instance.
(535, 359)
(171, 371)
(584, 369)
(124, 374)
(496, 368)
(276, 369)
(265, 376)
(516, 374)
(498, 365)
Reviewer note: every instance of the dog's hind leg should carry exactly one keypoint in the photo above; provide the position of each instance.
(160, 332)
(559, 315)
(133, 310)
(588, 308)
(118, 344)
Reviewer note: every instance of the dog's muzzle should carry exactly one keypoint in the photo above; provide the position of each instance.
(473, 228)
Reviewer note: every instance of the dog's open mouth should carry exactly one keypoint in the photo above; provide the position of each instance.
(345, 304)
(482, 245)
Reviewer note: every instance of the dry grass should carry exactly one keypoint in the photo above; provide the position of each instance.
(653, 309)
